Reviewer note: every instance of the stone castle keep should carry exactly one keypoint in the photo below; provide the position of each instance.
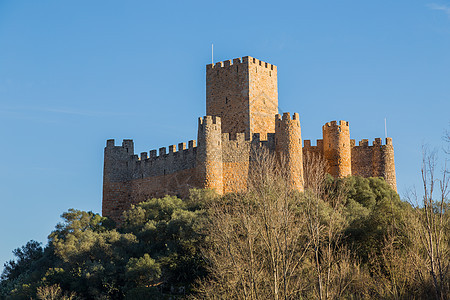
(242, 114)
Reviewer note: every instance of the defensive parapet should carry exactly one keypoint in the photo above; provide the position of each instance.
(166, 162)
(336, 148)
(209, 153)
(376, 160)
(129, 179)
(316, 150)
(288, 146)
(241, 60)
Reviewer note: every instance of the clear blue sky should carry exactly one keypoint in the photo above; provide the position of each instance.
(76, 73)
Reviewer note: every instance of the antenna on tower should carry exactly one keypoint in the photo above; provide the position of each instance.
(212, 54)
(385, 128)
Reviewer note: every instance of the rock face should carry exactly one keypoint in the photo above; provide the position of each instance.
(242, 116)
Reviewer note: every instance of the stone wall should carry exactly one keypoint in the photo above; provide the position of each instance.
(244, 93)
(130, 179)
(312, 150)
(374, 161)
(236, 153)
(209, 154)
(241, 106)
(227, 94)
(263, 96)
(336, 148)
(288, 145)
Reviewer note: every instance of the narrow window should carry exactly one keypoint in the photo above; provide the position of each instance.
(226, 99)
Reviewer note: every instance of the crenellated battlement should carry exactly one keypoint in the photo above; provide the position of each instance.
(377, 142)
(286, 120)
(209, 120)
(173, 150)
(122, 164)
(335, 124)
(227, 63)
(255, 61)
(126, 143)
(241, 119)
(287, 117)
(246, 60)
(307, 144)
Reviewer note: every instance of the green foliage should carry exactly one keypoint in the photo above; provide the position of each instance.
(27, 256)
(372, 210)
(170, 233)
(157, 244)
(156, 252)
(143, 271)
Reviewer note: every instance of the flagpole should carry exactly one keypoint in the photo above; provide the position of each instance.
(385, 128)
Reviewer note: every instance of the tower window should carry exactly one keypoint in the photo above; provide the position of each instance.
(226, 99)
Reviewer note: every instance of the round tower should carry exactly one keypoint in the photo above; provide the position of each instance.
(387, 164)
(337, 149)
(209, 154)
(288, 145)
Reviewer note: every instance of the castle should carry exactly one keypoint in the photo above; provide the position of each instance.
(242, 113)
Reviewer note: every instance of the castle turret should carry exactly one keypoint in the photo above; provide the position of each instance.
(383, 161)
(116, 176)
(288, 145)
(337, 149)
(209, 153)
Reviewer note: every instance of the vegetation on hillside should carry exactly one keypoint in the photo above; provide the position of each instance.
(349, 238)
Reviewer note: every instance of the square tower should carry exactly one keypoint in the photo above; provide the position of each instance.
(244, 93)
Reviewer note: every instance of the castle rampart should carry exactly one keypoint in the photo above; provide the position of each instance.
(127, 181)
(242, 119)
(375, 161)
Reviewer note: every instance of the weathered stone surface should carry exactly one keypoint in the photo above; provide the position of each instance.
(242, 115)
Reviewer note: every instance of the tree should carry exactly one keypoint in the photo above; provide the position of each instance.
(430, 230)
(324, 199)
(255, 244)
(25, 257)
